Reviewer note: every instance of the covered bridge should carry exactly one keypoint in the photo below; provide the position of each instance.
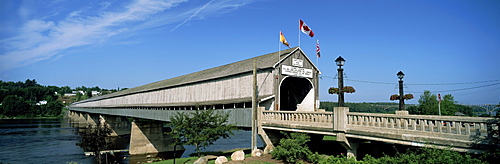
(286, 80)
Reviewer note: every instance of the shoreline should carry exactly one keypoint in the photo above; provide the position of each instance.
(26, 118)
(62, 115)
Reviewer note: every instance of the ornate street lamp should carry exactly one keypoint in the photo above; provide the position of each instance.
(401, 75)
(340, 62)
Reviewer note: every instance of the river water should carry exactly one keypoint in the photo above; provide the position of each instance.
(54, 141)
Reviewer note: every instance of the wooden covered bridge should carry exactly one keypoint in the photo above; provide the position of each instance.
(287, 81)
(287, 85)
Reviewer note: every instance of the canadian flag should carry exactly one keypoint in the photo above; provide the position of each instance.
(305, 29)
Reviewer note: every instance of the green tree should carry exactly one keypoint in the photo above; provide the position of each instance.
(428, 104)
(54, 108)
(14, 105)
(63, 90)
(293, 149)
(413, 110)
(3, 93)
(79, 96)
(88, 93)
(448, 106)
(467, 110)
(95, 138)
(200, 128)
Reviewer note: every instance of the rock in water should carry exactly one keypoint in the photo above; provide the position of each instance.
(238, 156)
(220, 160)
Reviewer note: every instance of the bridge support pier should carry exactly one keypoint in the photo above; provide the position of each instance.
(340, 126)
(270, 138)
(148, 138)
(350, 145)
(119, 125)
(92, 119)
(82, 121)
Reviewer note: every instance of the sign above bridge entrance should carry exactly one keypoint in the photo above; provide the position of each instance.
(296, 71)
(297, 62)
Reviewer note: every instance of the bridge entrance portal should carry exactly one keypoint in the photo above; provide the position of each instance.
(294, 92)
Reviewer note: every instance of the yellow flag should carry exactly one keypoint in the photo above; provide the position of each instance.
(283, 40)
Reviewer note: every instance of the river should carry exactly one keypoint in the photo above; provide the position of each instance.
(54, 141)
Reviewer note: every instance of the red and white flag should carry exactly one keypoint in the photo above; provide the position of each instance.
(317, 49)
(305, 29)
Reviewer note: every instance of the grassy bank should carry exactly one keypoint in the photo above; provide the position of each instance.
(190, 160)
(227, 154)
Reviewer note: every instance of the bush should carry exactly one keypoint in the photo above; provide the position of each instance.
(425, 155)
(293, 149)
(339, 160)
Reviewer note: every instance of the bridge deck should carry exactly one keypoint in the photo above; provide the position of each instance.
(463, 133)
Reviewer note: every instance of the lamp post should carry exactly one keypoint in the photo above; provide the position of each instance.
(340, 62)
(401, 75)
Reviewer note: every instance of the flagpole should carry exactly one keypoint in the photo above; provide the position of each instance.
(317, 48)
(299, 32)
(317, 62)
(279, 49)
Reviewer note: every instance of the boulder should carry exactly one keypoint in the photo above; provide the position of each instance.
(204, 160)
(238, 156)
(220, 160)
(209, 157)
(256, 153)
(201, 160)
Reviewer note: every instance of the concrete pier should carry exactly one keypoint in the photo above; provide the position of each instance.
(149, 138)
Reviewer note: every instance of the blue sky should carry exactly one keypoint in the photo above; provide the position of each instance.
(120, 43)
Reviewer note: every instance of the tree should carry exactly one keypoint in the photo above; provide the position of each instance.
(293, 149)
(14, 105)
(54, 108)
(448, 106)
(79, 96)
(200, 128)
(88, 93)
(428, 103)
(94, 138)
(413, 110)
(467, 110)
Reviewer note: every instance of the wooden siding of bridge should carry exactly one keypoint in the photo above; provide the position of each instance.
(233, 87)
(238, 116)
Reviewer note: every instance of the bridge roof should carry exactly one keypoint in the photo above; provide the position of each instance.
(264, 61)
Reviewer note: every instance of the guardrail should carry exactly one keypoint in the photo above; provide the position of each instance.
(434, 124)
(480, 126)
(297, 117)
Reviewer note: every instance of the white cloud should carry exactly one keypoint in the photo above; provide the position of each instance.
(40, 39)
(192, 15)
(212, 7)
(105, 5)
